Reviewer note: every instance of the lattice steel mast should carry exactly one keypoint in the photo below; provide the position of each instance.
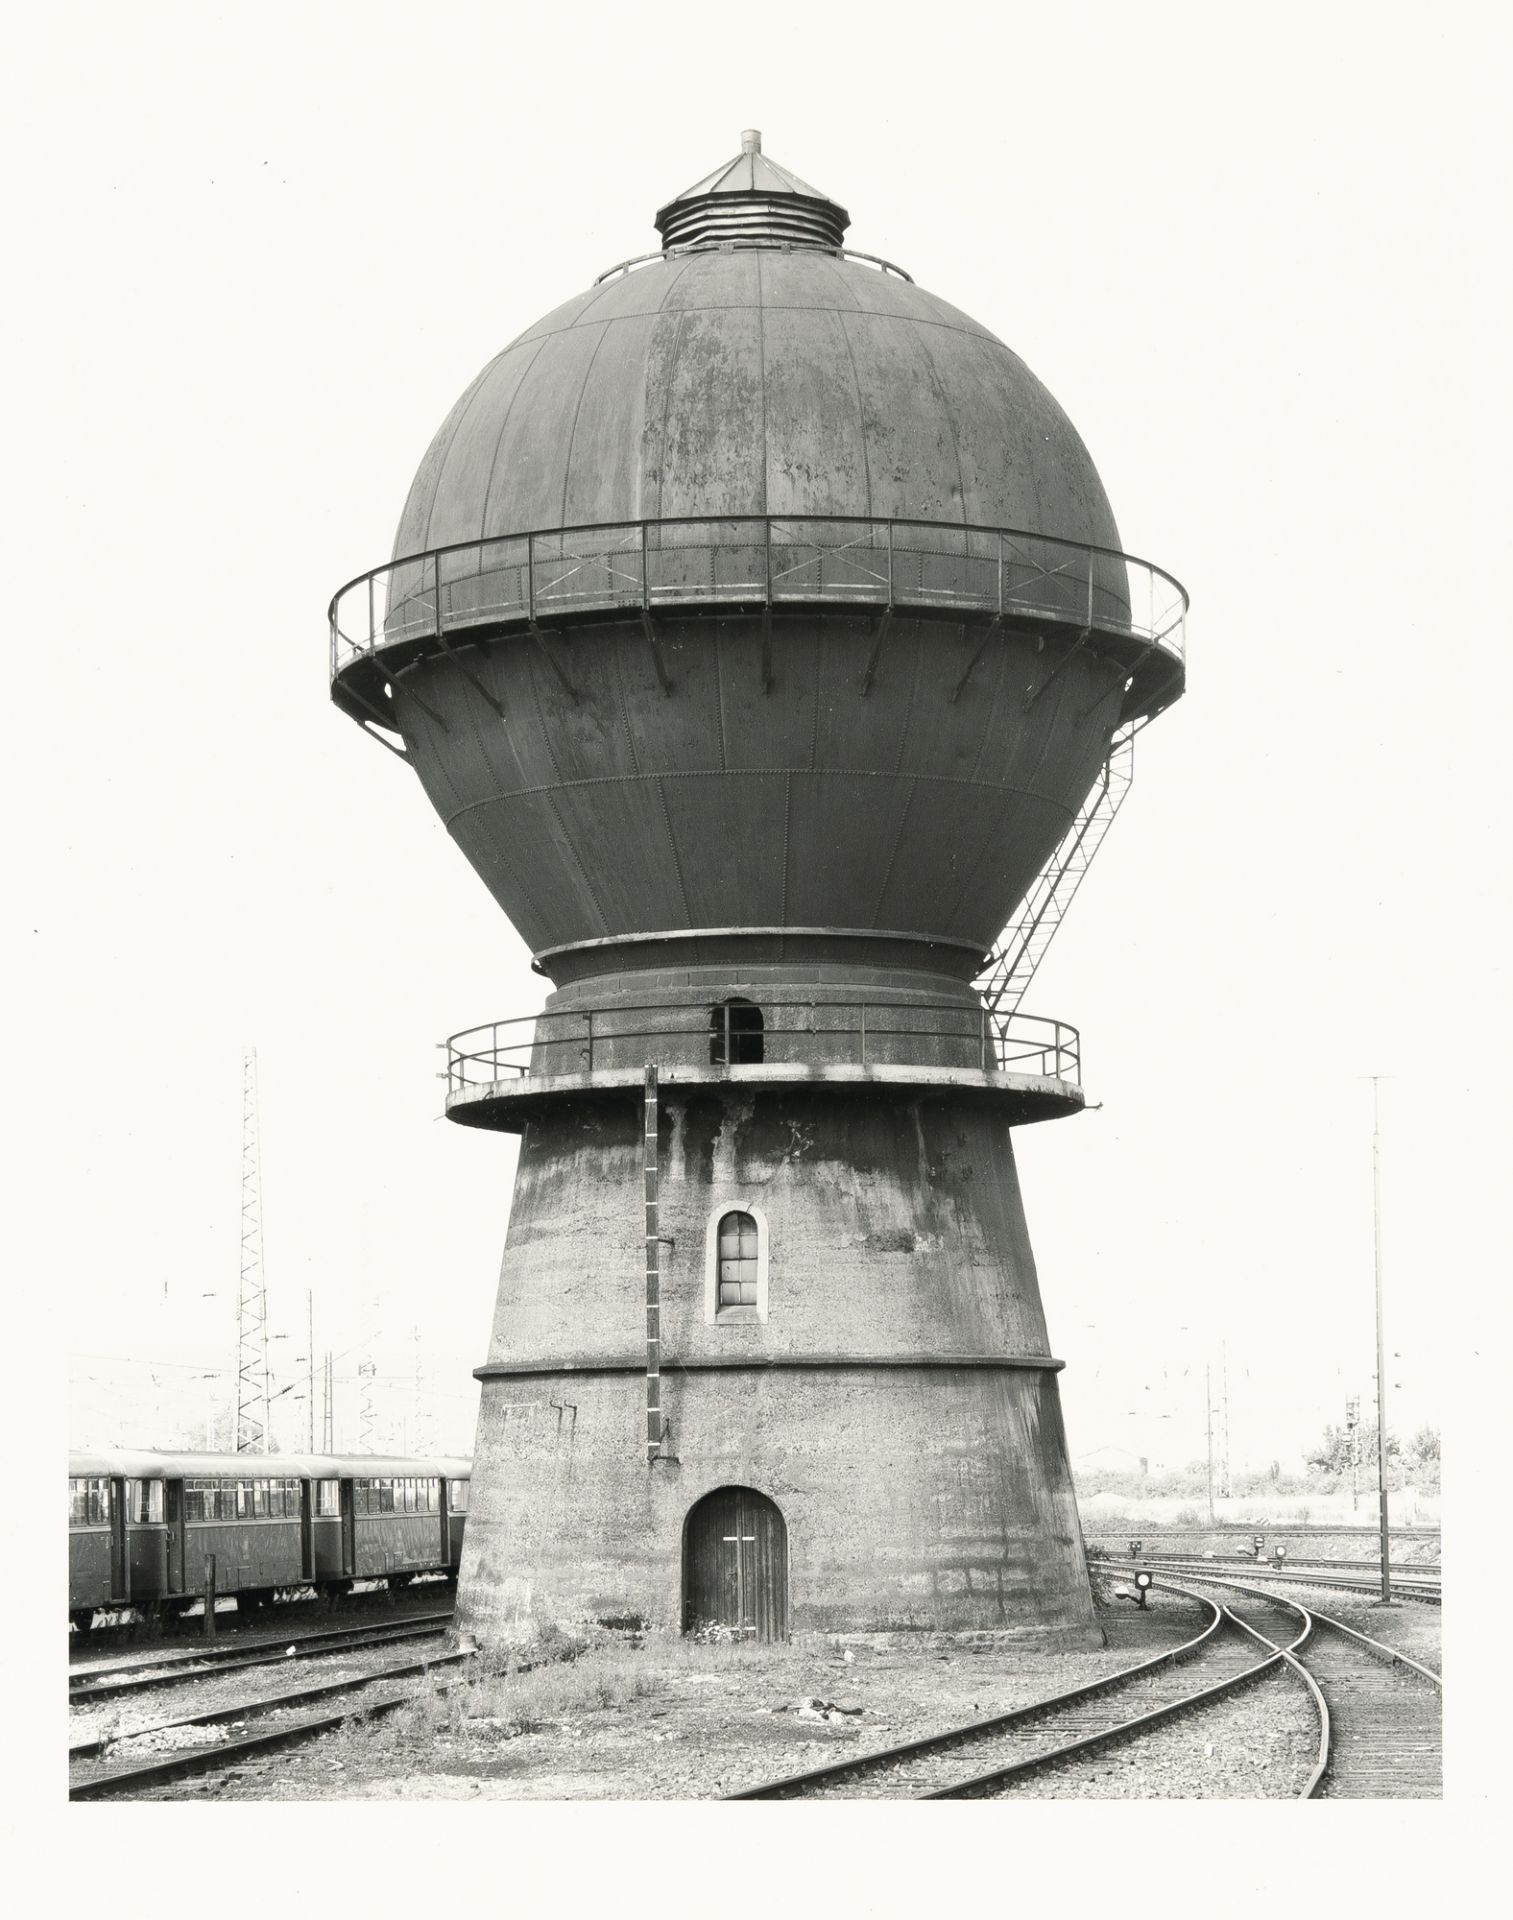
(366, 1370)
(251, 1428)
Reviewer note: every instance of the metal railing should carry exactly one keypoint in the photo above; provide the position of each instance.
(696, 1033)
(754, 562)
(748, 245)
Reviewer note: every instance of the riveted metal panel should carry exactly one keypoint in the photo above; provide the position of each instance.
(605, 429)
(816, 445)
(465, 472)
(739, 366)
(729, 828)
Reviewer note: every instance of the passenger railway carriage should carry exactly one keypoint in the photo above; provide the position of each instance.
(142, 1526)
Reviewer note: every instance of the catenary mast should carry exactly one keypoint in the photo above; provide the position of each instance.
(251, 1418)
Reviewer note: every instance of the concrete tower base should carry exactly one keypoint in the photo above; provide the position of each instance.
(890, 1391)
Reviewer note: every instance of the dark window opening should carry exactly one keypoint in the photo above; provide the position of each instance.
(737, 1254)
(735, 1034)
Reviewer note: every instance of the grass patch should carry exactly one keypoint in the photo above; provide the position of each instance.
(502, 1698)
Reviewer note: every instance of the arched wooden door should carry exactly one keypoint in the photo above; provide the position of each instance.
(735, 1565)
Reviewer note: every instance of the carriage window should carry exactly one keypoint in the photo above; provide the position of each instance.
(737, 1255)
(433, 1496)
(210, 1500)
(386, 1496)
(735, 1034)
(144, 1502)
(328, 1498)
(457, 1495)
(88, 1503)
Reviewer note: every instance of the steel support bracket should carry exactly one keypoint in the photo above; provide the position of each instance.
(1076, 647)
(993, 628)
(383, 719)
(877, 647)
(552, 661)
(396, 674)
(648, 627)
(468, 674)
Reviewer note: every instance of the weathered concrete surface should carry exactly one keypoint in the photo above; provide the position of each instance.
(915, 1494)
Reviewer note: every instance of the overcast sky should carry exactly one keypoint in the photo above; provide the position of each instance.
(1254, 263)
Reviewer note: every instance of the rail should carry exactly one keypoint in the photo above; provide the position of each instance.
(749, 245)
(757, 563)
(733, 1035)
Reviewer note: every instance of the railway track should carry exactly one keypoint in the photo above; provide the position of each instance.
(1376, 1712)
(1030, 1736)
(95, 1772)
(1382, 1712)
(1406, 1587)
(183, 1667)
(1171, 1556)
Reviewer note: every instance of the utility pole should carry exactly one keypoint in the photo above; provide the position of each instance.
(328, 1415)
(1208, 1408)
(1381, 1368)
(250, 1424)
(1225, 1486)
(310, 1367)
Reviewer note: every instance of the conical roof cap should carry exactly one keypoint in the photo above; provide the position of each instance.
(752, 199)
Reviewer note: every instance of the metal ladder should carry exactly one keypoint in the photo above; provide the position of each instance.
(1021, 946)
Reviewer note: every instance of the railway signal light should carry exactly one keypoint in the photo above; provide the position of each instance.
(1143, 1582)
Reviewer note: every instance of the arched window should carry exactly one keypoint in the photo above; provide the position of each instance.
(735, 1033)
(735, 1265)
(737, 1254)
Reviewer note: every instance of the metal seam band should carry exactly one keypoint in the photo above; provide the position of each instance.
(736, 1363)
(920, 939)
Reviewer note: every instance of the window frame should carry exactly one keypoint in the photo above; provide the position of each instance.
(727, 1039)
(91, 1491)
(714, 1313)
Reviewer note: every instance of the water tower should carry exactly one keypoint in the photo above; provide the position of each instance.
(759, 627)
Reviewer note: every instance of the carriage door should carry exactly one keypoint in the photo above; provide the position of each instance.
(307, 1529)
(348, 1529)
(735, 1565)
(120, 1561)
(173, 1513)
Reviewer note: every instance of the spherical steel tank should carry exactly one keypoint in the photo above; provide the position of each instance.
(754, 382)
(798, 598)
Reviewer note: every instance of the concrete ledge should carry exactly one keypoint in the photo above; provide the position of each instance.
(505, 1105)
(721, 1363)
